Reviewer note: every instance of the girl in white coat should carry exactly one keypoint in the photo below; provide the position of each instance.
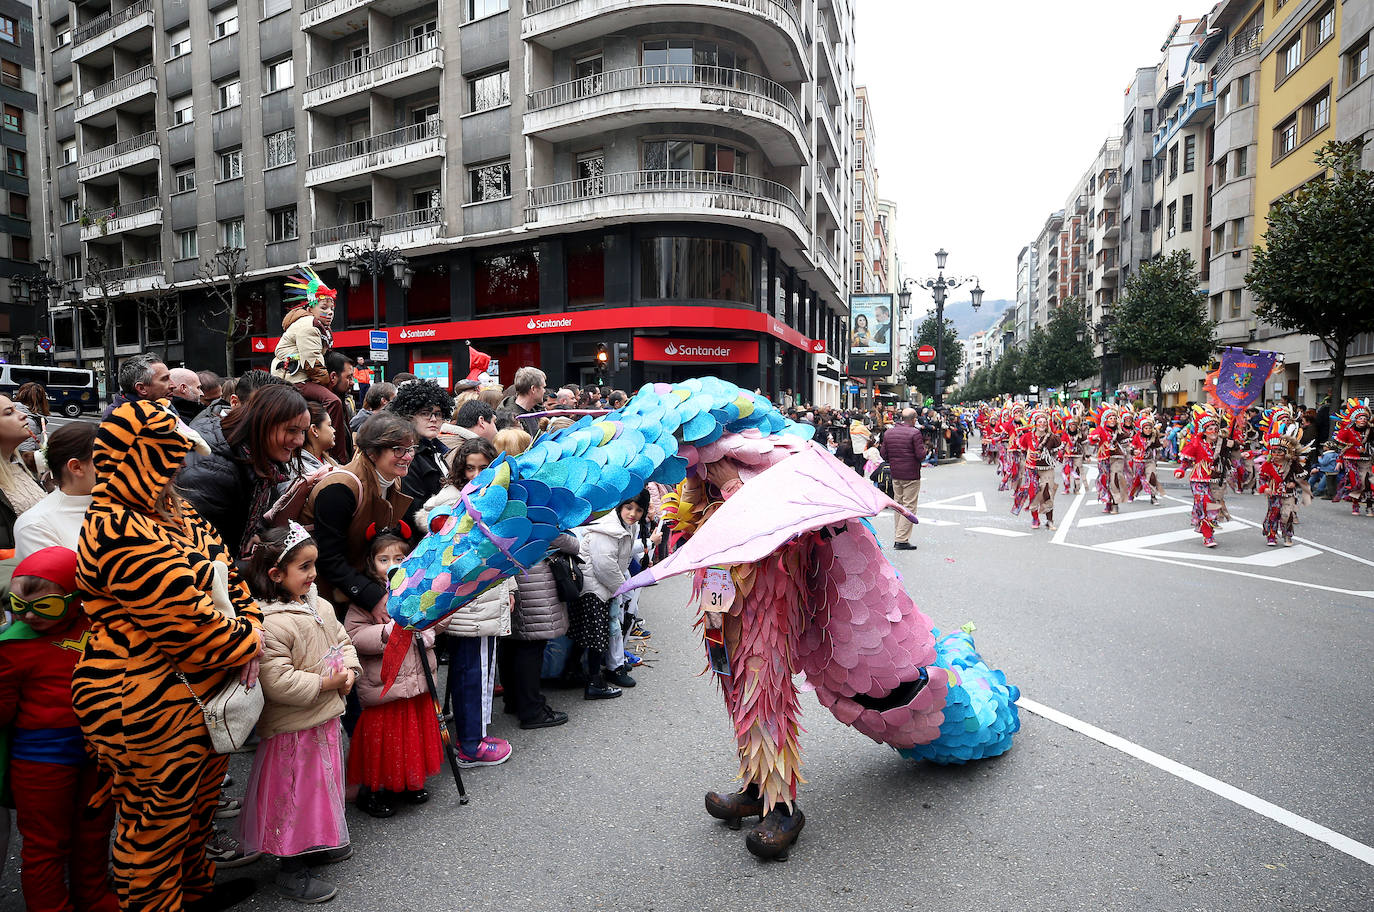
(607, 545)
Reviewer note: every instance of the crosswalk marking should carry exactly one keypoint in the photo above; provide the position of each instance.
(979, 503)
(1006, 533)
(1134, 514)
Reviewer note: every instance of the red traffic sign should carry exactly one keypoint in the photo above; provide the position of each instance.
(925, 354)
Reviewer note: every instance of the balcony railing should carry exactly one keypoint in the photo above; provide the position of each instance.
(137, 207)
(132, 144)
(132, 78)
(1240, 45)
(665, 75)
(768, 8)
(714, 183)
(411, 47)
(373, 144)
(391, 224)
(106, 22)
(125, 273)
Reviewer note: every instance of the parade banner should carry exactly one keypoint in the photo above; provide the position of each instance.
(1241, 377)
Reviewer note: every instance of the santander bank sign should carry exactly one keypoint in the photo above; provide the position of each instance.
(696, 351)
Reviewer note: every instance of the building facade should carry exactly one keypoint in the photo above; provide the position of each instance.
(1137, 172)
(557, 174)
(22, 309)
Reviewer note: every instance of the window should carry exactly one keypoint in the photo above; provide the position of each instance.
(1316, 114)
(231, 164)
(188, 244)
(1147, 170)
(1173, 219)
(490, 182)
(424, 36)
(71, 210)
(179, 43)
(699, 268)
(685, 155)
(1219, 172)
(9, 29)
(281, 148)
(1322, 27)
(1189, 153)
(1216, 307)
(21, 248)
(1242, 88)
(1240, 162)
(1286, 137)
(184, 179)
(226, 21)
(19, 205)
(281, 225)
(69, 152)
(182, 111)
(12, 75)
(64, 38)
(1187, 212)
(479, 8)
(230, 94)
(490, 90)
(14, 119)
(1238, 233)
(1148, 117)
(278, 75)
(1173, 162)
(16, 162)
(1357, 62)
(71, 266)
(1234, 309)
(1290, 58)
(1218, 238)
(231, 233)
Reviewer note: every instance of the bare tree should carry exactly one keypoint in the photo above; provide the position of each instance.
(160, 307)
(220, 276)
(103, 279)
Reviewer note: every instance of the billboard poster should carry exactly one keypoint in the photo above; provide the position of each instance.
(871, 332)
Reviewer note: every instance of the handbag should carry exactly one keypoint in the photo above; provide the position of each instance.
(232, 712)
(567, 577)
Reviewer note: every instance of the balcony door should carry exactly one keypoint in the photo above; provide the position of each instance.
(591, 173)
(587, 76)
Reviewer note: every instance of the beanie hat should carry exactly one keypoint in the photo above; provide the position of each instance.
(56, 565)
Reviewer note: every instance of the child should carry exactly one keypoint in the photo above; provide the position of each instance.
(305, 340)
(396, 744)
(606, 549)
(294, 807)
(473, 630)
(65, 845)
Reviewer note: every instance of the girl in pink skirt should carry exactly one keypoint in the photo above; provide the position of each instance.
(294, 808)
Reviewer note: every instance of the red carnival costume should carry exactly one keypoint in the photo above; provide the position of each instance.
(1355, 472)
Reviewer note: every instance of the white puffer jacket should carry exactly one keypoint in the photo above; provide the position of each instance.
(489, 613)
(605, 552)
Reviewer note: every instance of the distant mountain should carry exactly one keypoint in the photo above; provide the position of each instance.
(967, 321)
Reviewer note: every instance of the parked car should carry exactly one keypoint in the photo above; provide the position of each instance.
(71, 391)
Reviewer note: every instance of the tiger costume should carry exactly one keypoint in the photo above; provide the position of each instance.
(145, 575)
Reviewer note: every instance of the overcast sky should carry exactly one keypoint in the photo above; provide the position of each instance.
(988, 112)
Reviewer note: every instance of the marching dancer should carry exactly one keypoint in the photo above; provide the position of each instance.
(1148, 445)
(1041, 447)
(1283, 477)
(1355, 478)
(1201, 460)
(1075, 450)
(1112, 445)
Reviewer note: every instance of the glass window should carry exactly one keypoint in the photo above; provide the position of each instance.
(1241, 162)
(14, 119)
(9, 29)
(1290, 58)
(1286, 137)
(12, 75)
(1187, 212)
(1357, 62)
(1318, 113)
(696, 268)
(21, 248)
(231, 164)
(230, 94)
(188, 244)
(66, 93)
(69, 152)
(71, 266)
(479, 8)
(71, 210)
(1326, 25)
(281, 225)
(1243, 89)
(278, 75)
(1147, 170)
(490, 91)
(64, 37)
(1148, 120)
(281, 148)
(183, 111)
(231, 233)
(1173, 161)
(586, 262)
(490, 182)
(179, 43)
(226, 21)
(1235, 303)
(1189, 153)
(507, 282)
(16, 162)
(1238, 233)
(184, 179)
(689, 155)
(19, 205)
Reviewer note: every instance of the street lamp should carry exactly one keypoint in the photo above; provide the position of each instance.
(939, 288)
(42, 285)
(374, 260)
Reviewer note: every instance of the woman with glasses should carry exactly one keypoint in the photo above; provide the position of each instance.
(425, 405)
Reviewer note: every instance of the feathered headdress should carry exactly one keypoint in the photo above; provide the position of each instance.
(306, 287)
(1352, 410)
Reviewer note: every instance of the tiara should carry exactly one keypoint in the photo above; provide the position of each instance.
(295, 535)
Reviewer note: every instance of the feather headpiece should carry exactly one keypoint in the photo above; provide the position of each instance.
(306, 287)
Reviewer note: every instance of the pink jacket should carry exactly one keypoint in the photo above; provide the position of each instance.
(369, 639)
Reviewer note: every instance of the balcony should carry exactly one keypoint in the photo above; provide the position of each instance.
(826, 264)
(404, 68)
(829, 67)
(826, 190)
(134, 22)
(1109, 225)
(828, 151)
(1196, 106)
(126, 279)
(139, 217)
(1238, 48)
(1111, 187)
(650, 196)
(400, 229)
(774, 26)
(334, 18)
(136, 91)
(636, 96)
(400, 153)
(139, 154)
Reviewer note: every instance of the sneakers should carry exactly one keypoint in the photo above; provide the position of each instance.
(639, 632)
(546, 719)
(491, 752)
(619, 676)
(1271, 541)
(226, 851)
(304, 887)
(1209, 542)
(228, 807)
(632, 660)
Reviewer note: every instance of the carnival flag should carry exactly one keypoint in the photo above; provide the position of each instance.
(1240, 378)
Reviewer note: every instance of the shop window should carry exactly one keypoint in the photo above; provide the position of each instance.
(428, 298)
(586, 263)
(696, 268)
(506, 282)
(359, 306)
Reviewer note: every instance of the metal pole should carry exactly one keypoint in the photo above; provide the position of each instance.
(939, 360)
(372, 268)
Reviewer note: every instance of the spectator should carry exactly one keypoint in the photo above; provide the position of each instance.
(18, 491)
(1309, 428)
(540, 615)
(566, 399)
(512, 441)
(473, 418)
(403, 378)
(904, 449)
(141, 377)
(530, 383)
(234, 485)
(606, 547)
(1323, 420)
(616, 399)
(313, 456)
(340, 382)
(377, 397)
(211, 387)
(185, 391)
(491, 395)
(32, 400)
(56, 519)
(362, 379)
(159, 642)
(424, 403)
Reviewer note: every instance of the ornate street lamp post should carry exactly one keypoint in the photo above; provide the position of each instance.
(374, 260)
(41, 284)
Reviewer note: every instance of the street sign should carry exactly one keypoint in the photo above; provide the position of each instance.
(925, 354)
(378, 347)
(45, 344)
(925, 368)
(853, 391)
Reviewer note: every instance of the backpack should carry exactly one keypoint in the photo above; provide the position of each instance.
(882, 478)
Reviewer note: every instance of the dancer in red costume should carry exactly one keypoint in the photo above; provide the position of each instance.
(1112, 445)
(1283, 477)
(1201, 461)
(1042, 445)
(1355, 477)
(1148, 445)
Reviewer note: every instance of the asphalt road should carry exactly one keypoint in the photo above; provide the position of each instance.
(1256, 677)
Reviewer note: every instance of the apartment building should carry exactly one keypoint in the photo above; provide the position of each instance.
(22, 309)
(555, 173)
(1104, 229)
(1183, 122)
(867, 234)
(1027, 278)
(1051, 283)
(1137, 172)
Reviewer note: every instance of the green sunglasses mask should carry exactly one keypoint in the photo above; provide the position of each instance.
(48, 607)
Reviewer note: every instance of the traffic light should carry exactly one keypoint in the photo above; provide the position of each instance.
(622, 356)
(603, 356)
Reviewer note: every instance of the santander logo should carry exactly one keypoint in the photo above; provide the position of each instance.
(698, 351)
(418, 333)
(558, 323)
(670, 349)
(818, 346)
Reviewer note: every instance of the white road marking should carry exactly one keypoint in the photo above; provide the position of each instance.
(1309, 828)
(935, 522)
(979, 505)
(1006, 533)
(1067, 522)
(1305, 541)
(1265, 557)
(1107, 519)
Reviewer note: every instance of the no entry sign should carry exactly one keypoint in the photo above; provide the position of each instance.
(925, 354)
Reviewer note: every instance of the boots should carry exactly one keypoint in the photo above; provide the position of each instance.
(1035, 519)
(775, 833)
(731, 808)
